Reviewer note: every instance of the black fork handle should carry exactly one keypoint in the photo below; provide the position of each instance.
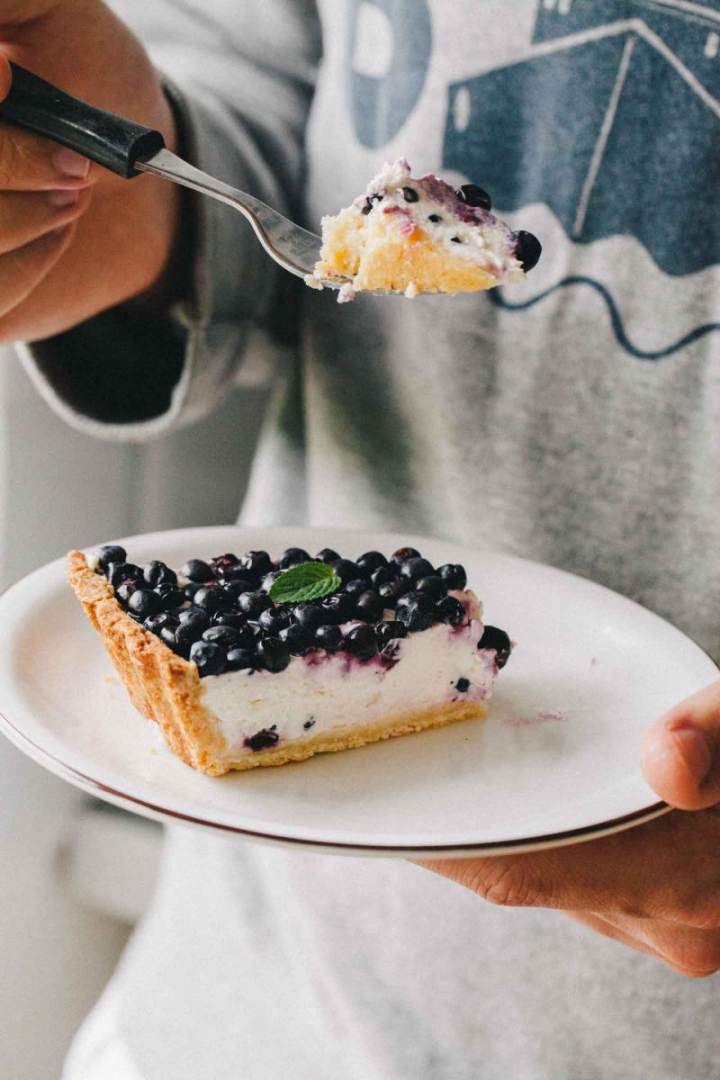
(109, 140)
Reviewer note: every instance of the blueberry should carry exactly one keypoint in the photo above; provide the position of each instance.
(168, 634)
(455, 240)
(197, 570)
(274, 619)
(191, 588)
(170, 597)
(403, 554)
(120, 572)
(391, 591)
(527, 249)
(143, 602)
(370, 202)
(371, 560)
(239, 659)
(475, 196)
(369, 606)
(388, 631)
(273, 654)
(125, 591)
(329, 638)
(221, 635)
(225, 565)
(252, 603)
(454, 576)
(361, 642)
(416, 568)
(462, 686)
(157, 573)
(233, 588)
(433, 586)
(110, 553)
(212, 598)
(496, 639)
(155, 623)
(450, 611)
(235, 573)
(434, 218)
(195, 617)
(416, 613)
(337, 609)
(293, 557)
(269, 580)
(210, 659)
(256, 563)
(298, 640)
(263, 740)
(354, 588)
(383, 574)
(308, 616)
(327, 555)
(188, 633)
(347, 570)
(228, 618)
(410, 194)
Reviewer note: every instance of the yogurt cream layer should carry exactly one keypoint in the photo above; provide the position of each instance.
(315, 694)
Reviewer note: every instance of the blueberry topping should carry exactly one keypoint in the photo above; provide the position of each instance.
(210, 659)
(455, 240)
(263, 740)
(434, 218)
(310, 722)
(475, 196)
(496, 639)
(252, 603)
(187, 634)
(234, 587)
(274, 619)
(211, 598)
(143, 603)
(309, 616)
(269, 580)
(337, 609)
(329, 638)
(327, 555)
(433, 586)
(256, 563)
(125, 591)
(157, 573)
(190, 589)
(197, 570)
(415, 611)
(361, 642)
(451, 611)
(170, 597)
(226, 565)
(527, 250)
(371, 560)
(120, 572)
(382, 574)
(228, 618)
(155, 623)
(347, 570)
(273, 654)
(369, 606)
(462, 685)
(416, 568)
(221, 635)
(354, 588)
(110, 553)
(168, 635)
(293, 557)
(195, 617)
(388, 631)
(240, 659)
(391, 591)
(453, 575)
(410, 194)
(403, 554)
(298, 640)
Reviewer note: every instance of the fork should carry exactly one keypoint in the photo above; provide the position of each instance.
(128, 149)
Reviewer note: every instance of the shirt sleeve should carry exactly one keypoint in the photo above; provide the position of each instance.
(240, 75)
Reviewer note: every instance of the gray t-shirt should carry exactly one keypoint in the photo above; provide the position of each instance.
(572, 420)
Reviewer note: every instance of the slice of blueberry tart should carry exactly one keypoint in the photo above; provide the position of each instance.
(246, 661)
(416, 235)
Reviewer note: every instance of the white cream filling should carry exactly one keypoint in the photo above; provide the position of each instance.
(335, 690)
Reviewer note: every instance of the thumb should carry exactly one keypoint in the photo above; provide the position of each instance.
(5, 77)
(681, 752)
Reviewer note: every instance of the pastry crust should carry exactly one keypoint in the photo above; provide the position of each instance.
(167, 689)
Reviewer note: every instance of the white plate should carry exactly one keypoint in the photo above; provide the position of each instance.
(556, 760)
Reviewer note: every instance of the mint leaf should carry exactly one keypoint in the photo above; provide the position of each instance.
(307, 581)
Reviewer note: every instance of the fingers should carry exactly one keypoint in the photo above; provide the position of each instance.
(681, 753)
(25, 217)
(30, 163)
(22, 270)
(607, 929)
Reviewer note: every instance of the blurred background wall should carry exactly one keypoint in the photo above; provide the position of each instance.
(74, 876)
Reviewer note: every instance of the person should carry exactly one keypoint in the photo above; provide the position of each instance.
(573, 421)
